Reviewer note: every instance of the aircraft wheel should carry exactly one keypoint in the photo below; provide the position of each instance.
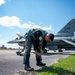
(18, 53)
(60, 50)
(21, 54)
(45, 51)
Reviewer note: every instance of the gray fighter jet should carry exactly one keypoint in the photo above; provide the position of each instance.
(20, 40)
(65, 38)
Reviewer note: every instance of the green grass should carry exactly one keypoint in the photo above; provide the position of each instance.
(64, 67)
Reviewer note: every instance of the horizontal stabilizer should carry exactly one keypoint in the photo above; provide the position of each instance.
(69, 42)
(16, 41)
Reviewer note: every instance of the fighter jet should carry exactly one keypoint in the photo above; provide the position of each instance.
(65, 38)
(20, 40)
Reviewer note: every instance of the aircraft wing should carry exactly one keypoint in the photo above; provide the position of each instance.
(68, 42)
(16, 41)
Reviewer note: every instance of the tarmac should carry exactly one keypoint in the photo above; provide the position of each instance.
(11, 64)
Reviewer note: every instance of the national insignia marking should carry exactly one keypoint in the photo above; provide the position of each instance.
(40, 38)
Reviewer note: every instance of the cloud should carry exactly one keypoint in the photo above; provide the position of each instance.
(16, 22)
(2, 42)
(36, 26)
(9, 21)
(48, 28)
(2, 2)
(25, 26)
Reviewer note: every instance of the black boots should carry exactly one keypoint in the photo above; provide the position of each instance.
(40, 64)
(26, 62)
(28, 68)
(38, 60)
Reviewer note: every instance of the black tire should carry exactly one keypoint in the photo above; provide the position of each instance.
(60, 50)
(21, 54)
(18, 53)
(45, 51)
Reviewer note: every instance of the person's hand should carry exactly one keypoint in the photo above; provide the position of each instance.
(38, 53)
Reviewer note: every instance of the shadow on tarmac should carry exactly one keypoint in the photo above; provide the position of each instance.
(57, 70)
(51, 53)
(55, 53)
(60, 53)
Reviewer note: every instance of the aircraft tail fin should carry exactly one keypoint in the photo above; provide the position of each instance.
(68, 30)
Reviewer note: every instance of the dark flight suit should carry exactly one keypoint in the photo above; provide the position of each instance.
(36, 38)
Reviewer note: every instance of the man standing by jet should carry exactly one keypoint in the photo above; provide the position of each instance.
(39, 39)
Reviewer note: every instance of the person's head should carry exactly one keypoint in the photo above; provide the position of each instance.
(49, 37)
